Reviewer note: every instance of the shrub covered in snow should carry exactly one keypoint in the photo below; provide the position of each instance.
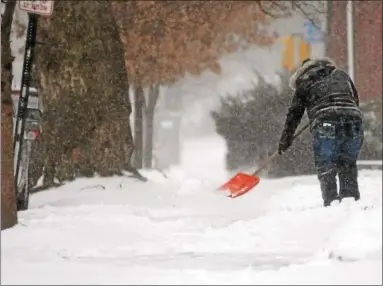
(251, 123)
(372, 147)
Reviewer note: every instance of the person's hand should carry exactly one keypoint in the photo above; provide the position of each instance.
(285, 142)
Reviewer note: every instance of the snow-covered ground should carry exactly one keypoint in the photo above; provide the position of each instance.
(179, 230)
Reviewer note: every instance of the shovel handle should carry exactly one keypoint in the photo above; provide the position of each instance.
(267, 161)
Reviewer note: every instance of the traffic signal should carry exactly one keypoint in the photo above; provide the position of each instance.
(288, 59)
(304, 50)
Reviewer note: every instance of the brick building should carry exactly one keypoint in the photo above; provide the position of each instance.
(367, 39)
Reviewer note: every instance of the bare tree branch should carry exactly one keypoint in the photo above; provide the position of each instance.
(310, 10)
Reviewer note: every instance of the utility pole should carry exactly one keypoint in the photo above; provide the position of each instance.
(350, 39)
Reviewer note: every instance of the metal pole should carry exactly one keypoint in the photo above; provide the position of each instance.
(24, 90)
(350, 40)
(328, 27)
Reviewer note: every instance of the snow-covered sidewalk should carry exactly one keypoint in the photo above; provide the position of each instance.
(180, 231)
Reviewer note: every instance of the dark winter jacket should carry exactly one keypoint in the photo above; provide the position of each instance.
(327, 93)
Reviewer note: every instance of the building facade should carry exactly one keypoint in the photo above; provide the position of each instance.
(367, 43)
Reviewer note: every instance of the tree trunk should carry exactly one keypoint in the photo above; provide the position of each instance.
(81, 76)
(139, 102)
(8, 198)
(148, 130)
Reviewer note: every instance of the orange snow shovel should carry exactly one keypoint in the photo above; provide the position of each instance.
(241, 183)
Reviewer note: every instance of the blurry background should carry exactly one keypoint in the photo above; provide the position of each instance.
(245, 105)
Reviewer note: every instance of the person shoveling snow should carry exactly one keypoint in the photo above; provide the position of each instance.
(336, 123)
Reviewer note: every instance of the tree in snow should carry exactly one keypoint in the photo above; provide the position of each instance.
(8, 198)
(166, 39)
(82, 79)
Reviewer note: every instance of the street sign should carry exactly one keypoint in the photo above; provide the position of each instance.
(312, 33)
(43, 7)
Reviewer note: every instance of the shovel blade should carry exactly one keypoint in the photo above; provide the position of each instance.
(239, 185)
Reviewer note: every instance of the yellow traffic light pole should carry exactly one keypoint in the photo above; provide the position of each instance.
(304, 50)
(288, 53)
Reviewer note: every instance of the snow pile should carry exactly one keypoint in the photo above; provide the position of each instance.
(180, 230)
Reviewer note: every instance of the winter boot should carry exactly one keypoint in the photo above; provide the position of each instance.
(328, 187)
(327, 201)
(348, 182)
(347, 194)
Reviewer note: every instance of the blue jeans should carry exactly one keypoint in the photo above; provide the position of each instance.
(336, 146)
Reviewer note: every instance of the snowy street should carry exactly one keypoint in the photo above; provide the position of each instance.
(179, 230)
(181, 94)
